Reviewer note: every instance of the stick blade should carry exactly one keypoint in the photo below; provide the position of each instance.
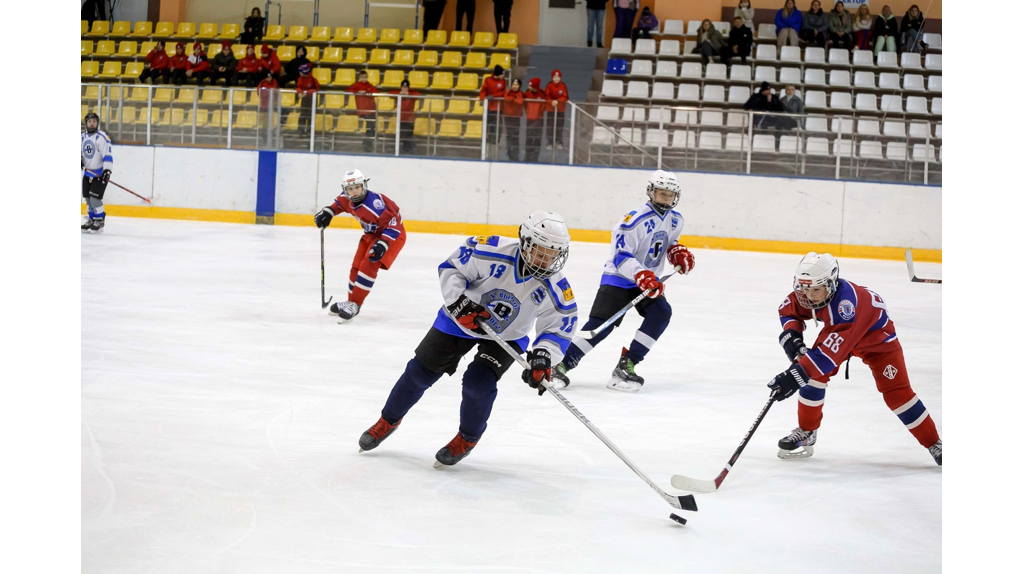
(693, 485)
(688, 502)
(910, 265)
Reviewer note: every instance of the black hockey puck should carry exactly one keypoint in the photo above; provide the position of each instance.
(677, 518)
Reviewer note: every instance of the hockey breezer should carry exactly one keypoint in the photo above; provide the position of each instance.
(595, 332)
(913, 276)
(685, 502)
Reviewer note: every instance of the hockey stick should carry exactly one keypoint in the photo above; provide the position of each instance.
(685, 502)
(323, 302)
(129, 191)
(695, 485)
(595, 332)
(913, 276)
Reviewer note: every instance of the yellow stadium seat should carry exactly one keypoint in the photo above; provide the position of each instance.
(165, 95)
(213, 49)
(85, 111)
(478, 108)
(139, 95)
(322, 75)
(348, 124)
(331, 55)
(342, 34)
(474, 129)
(508, 41)
(437, 38)
(468, 82)
(355, 56)
(274, 33)
(426, 58)
(142, 30)
(127, 49)
(228, 32)
(458, 106)
(459, 39)
(85, 27)
(121, 28)
(211, 97)
(170, 117)
(373, 76)
(393, 79)
(418, 79)
(238, 50)
(334, 101)
(476, 60)
(286, 53)
(239, 97)
(313, 53)
(366, 36)
(320, 34)
(185, 96)
(385, 104)
(350, 104)
(128, 115)
(411, 36)
(380, 57)
(288, 99)
(297, 34)
(323, 122)
(99, 28)
(132, 70)
(424, 127)
(386, 125)
(291, 123)
(202, 117)
(500, 59)
(245, 120)
(105, 48)
(86, 47)
(451, 60)
(91, 93)
(433, 106)
(111, 70)
(389, 36)
(185, 30)
(219, 120)
(483, 40)
(404, 58)
(344, 77)
(146, 47)
(207, 30)
(163, 30)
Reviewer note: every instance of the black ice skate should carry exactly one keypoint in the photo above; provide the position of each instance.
(798, 439)
(559, 379)
(376, 434)
(97, 224)
(624, 377)
(345, 309)
(936, 451)
(457, 449)
(87, 225)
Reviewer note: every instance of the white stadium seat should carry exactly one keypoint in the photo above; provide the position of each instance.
(666, 69)
(668, 48)
(892, 103)
(612, 88)
(765, 74)
(889, 81)
(814, 99)
(863, 59)
(638, 89)
(736, 142)
(663, 91)
(715, 72)
(866, 103)
(607, 113)
(887, 60)
(709, 141)
(691, 70)
(870, 149)
(739, 73)
(817, 146)
(840, 101)
(765, 53)
(646, 46)
(713, 94)
(814, 55)
(641, 68)
(621, 46)
(684, 139)
(688, 93)
(896, 151)
(789, 54)
(673, 27)
(839, 57)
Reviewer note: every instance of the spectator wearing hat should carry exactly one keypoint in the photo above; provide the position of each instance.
(366, 107)
(198, 64)
(493, 91)
(178, 64)
(252, 29)
(764, 101)
(155, 67)
(291, 69)
(269, 82)
(645, 24)
(270, 61)
(407, 118)
(223, 65)
(247, 70)
(306, 87)
(513, 118)
(558, 96)
(535, 102)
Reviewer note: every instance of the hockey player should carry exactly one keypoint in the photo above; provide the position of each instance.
(382, 241)
(97, 163)
(511, 285)
(856, 323)
(640, 243)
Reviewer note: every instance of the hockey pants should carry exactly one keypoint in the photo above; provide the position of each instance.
(363, 273)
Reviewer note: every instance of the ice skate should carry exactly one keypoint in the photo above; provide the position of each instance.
(457, 449)
(936, 451)
(559, 379)
(87, 224)
(624, 377)
(97, 224)
(345, 309)
(798, 444)
(376, 434)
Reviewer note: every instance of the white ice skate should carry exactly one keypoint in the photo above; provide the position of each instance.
(798, 444)
(624, 377)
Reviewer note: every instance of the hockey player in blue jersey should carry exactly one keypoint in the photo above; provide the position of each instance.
(511, 285)
(641, 242)
(97, 163)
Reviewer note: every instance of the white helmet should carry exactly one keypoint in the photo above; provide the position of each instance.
(544, 244)
(816, 270)
(354, 177)
(664, 180)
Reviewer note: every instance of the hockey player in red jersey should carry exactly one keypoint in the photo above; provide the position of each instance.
(856, 323)
(383, 237)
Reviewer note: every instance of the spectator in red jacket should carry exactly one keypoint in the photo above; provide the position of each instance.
(198, 65)
(155, 68)
(306, 88)
(270, 61)
(558, 94)
(269, 82)
(513, 118)
(248, 68)
(493, 91)
(178, 64)
(366, 107)
(535, 101)
(407, 118)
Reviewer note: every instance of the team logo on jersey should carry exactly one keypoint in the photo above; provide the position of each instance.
(846, 309)
(675, 222)
(657, 250)
(890, 372)
(538, 295)
(629, 217)
(88, 149)
(378, 203)
(503, 306)
(566, 290)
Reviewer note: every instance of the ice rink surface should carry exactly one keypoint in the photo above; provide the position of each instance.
(221, 409)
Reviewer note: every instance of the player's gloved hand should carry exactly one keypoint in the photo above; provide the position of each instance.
(680, 256)
(378, 250)
(788, 382)
(465, 311)
(540, 369)
(105, 176)
(646, 279)
(793, 344)
(323, 217)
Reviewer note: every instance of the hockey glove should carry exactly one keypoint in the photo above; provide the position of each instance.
(793, 344)
(681, 256)
(378, 250)
(788, 382)
(465, 312)
(323, 217)
(105, 176)
(647, 280)
(539, 371)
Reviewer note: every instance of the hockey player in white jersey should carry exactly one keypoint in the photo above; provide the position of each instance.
(510, 285)
(641, 242)
(97, 163)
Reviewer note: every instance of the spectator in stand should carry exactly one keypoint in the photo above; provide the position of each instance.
(557, 94)
(513, 118)
(740, 41)
(815, 27)
(764, 101)
(885, 31)
(198, 65)
(745, 13)
(270, 61)
(502, 14)
(840, 27)
(407, 119)
(493, 92)
(535, 102)
(433, 11)
(862, 24)
(910, 29)
(269, 82)
(306, 88)
(467, 8)
(710, 42)
(155, 68)
(647, 23)
(788, 21)
(625, 12)
(178, 64)
(291, 69)
(366, 107)
(224, 64)
(252, 29)
(248, 68)
(793, 105)
(595, 22)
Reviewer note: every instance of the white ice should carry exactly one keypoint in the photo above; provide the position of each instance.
(221, 408)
